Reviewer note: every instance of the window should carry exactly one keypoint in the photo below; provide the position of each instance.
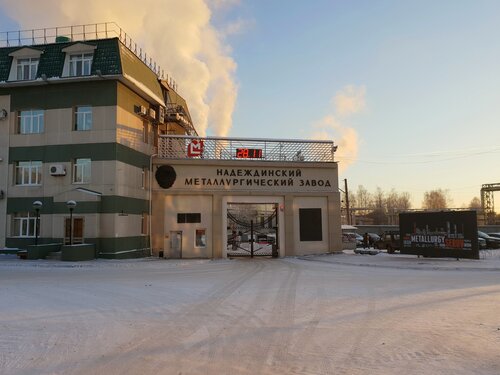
(24, 225)
(81, 171)
(200, 238)
(28, 172)
(188, 218)
(311, 227)
(27, 68)
(30, 121)
(80, 64)
(83, 118)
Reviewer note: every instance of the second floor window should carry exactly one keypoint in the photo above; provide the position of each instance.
(81, 171)
(28, 172)
(30, 121)
(80, 64)
(83, 118)
(27, 68)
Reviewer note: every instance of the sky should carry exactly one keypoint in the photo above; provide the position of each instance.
(409, 90)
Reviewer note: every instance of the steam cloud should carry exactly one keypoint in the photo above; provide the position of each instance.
(348, 101)
(177, 34)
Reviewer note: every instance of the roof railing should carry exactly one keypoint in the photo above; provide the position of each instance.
(256, 149)
(86, 32)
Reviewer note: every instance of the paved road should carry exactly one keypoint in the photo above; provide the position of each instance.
(262, 316)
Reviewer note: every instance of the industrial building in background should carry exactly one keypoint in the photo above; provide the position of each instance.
(97, 147)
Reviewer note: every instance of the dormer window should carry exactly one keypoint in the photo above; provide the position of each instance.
(27, 68)
(80, 64)
(78, 61)
(24, 64)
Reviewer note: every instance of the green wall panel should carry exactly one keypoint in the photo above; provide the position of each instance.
(66, 153)
(63, 95)
(109, 204)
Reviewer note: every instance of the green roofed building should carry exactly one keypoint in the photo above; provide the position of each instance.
(80, 116)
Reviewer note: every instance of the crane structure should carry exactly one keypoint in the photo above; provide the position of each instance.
(488, 202)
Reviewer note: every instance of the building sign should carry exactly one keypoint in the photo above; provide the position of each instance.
(439, 234)
(195, 148)
(217, 178)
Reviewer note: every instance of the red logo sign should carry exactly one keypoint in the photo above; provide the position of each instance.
(195, 148)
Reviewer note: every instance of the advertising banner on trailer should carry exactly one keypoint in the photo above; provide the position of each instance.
(439, 234)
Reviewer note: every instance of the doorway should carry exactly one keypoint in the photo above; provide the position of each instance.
(252, 229)
(176, 244)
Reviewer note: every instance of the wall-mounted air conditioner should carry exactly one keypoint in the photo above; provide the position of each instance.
(152, 113)
(57, 170)
(140, 110)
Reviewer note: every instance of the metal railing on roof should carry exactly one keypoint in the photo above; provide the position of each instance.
(74, 33)
(221, 148)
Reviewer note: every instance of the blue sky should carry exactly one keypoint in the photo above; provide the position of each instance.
(426, 73)
(431, 78)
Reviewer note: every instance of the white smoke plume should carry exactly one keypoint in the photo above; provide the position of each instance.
(178, 35)
(348, 101)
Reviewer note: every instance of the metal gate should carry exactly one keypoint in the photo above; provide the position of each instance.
(252, 230)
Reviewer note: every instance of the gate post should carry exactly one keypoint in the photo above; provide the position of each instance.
(251, 238)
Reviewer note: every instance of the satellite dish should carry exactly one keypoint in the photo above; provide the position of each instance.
(3, 114)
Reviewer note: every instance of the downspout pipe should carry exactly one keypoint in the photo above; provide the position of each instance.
(150, 204)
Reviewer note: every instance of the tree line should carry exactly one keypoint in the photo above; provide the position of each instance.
(380, 205)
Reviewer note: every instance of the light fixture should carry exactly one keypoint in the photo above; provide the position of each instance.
(37, 206)
(71, 204)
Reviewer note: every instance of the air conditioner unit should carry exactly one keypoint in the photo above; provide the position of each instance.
(152, 113)
(140, 110)
(161, 115)
(57, 170)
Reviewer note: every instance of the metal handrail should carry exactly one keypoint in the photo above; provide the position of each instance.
(224, 148)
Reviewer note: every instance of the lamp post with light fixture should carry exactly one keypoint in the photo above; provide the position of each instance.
(37, 205)
(71, 206)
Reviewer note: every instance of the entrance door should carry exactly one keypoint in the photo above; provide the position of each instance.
(176, 244)
(76, 227)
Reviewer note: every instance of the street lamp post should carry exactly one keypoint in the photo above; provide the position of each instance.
(71, 205)
(37, 205)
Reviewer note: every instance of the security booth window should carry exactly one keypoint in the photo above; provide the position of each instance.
(188, 218)
(200, 238)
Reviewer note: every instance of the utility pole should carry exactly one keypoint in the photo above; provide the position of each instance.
(348, 213)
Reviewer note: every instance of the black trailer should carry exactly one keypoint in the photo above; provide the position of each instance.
(439, 234)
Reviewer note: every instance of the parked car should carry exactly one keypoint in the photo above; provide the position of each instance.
(389, 241)
(359, 239)
(491, 242)
(496, 235)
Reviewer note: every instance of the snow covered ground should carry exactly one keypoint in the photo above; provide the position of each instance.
(331, 314)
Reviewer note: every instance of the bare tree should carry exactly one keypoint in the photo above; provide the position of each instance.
(362, 199)
(395, 201)
(436, 199)
(475, 203)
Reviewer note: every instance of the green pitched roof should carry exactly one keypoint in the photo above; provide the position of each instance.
(106, 58)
